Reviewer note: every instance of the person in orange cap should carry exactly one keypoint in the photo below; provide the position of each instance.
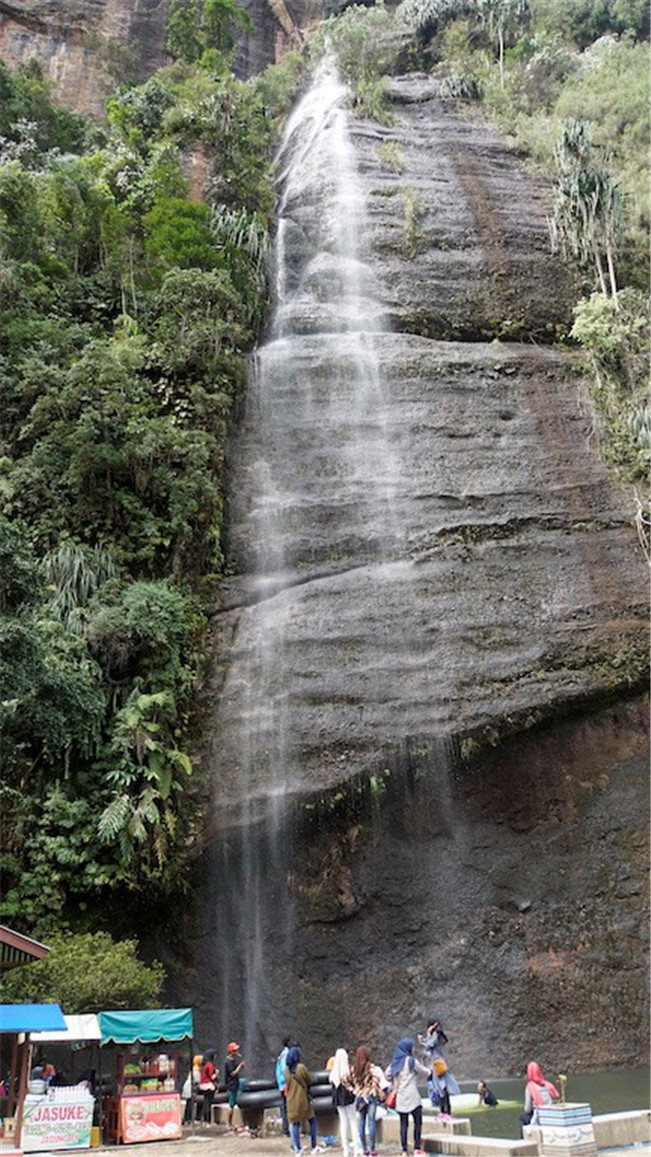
(233, 1066)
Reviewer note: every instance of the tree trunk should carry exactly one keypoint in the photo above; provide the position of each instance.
(600, 269)
(611, 275)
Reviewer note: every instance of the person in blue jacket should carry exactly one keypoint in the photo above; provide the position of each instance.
(281, 1062)
(443, 1079)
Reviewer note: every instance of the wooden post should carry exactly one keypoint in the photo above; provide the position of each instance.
(22, 1088)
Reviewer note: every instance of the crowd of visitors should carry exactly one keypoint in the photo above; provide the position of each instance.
(359, 1087)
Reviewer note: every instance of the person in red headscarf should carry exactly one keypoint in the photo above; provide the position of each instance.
(537, 1093)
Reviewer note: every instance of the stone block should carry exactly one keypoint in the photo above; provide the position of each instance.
(567, 1130)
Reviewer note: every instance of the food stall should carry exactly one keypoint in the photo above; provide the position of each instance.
(148, 1046)
(17, 1023)
(62, 1117)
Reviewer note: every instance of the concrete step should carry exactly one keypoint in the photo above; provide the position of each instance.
(389, 1126)
(459, 1145)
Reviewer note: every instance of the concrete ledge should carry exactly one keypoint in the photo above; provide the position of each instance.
(460, 1146)
(614, 1130)
(388, 1128)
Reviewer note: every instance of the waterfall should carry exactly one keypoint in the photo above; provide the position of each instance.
(315, 387)
(430, 577)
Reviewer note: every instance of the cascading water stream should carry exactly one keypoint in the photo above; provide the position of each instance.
(315, 387)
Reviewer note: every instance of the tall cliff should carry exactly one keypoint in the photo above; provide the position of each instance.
(87, 47)
(430, 777)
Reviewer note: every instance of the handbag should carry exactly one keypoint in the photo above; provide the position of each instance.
(392, 1096)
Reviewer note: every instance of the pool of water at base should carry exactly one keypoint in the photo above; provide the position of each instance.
(606, 1092)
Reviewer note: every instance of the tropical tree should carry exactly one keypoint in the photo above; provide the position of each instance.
(502, 18)
(587, 217)
(198, 29)
(87, 972)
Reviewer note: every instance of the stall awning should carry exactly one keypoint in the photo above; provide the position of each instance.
(31, 1017)
(145, 1025)
(17, 949)
(83, 1027)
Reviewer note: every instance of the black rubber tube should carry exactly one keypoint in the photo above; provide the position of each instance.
(259, 1099)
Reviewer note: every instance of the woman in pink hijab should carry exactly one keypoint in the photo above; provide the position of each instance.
(537, 1092)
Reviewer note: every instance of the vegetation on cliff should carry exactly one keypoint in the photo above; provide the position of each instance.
(568, 83)
(130, 300)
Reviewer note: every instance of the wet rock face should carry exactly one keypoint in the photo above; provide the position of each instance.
(506, 897)
(430, 781)
(461, 236)
(426, 540)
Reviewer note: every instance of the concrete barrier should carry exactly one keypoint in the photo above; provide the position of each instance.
(388, 1128)
(460, 1146)
(613, 1130)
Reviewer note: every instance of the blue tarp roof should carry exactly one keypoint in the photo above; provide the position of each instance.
(145, 1025)
(31, 1018)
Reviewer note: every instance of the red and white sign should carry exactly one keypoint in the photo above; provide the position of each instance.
(155, 1117)
(48, 1124)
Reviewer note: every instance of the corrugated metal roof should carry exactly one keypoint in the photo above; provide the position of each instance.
(18, 949)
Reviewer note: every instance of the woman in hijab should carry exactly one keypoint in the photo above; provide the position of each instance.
(299, 1107)
(404, 1071)
(443, 1079)
(537, 1093)
(368, 1084)
(343, 1100)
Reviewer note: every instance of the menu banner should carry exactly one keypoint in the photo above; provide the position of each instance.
(150, 1118)
(48, 1125)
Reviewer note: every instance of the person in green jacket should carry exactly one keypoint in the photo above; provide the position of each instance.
(299, 1105)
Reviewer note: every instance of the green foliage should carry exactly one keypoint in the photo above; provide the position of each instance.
(128, 312)
(201, 31)
(366, 43)
(584, 21)
(390, 155)
(51, 702)
(178, 235)
(610, 90)
(586, 221)
(86, 972)
(615, 337)
(543, 81)
(25, 103)
(426, 17)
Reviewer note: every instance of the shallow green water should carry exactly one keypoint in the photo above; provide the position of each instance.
(606, 1092)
